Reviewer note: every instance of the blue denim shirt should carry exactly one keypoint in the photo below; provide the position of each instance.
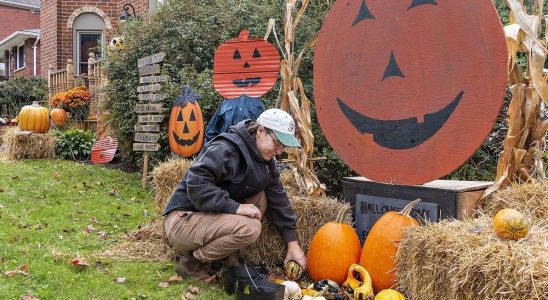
(231, 112)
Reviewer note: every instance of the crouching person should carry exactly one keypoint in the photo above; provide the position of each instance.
(217, 208)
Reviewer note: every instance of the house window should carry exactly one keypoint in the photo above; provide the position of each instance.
(2, 69)
(88, 41)
(20, 57)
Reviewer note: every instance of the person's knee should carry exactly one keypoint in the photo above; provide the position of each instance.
(249, 231)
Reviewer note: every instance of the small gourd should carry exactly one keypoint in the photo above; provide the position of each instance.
(292, 290)
(510, 224)
(389, 294)
(351, 282)
(293, 270)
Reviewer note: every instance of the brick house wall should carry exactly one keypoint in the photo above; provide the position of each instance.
(28, 70)
(14, 19)
(57, 17)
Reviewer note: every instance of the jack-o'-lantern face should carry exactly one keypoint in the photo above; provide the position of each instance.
(186, 125)
(406, 90)
(245, 66)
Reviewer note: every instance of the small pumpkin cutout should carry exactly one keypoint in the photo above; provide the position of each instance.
(245, 66)
(34, 118)
(510, 224)
(58, 116)
(333, 249)
(186, 125)
(381, 245)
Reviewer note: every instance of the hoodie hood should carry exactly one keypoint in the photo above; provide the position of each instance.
(241, 130)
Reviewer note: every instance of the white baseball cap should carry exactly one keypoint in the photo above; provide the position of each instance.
(282, 124)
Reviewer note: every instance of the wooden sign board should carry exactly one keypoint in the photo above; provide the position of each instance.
(146, 137)
(369, 209)
(150, 118)
(152, 79)
(148, 108)
(149, 60)
(151, 97)
(147, 127)
(148, 70)
(146, 147)
(149, 88)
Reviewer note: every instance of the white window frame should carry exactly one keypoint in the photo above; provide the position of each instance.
(3, 71)
(17, 67)
(78, 48)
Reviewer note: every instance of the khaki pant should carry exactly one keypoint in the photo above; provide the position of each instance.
(213, 236)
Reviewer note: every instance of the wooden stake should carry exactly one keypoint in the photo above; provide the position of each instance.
(145, 170)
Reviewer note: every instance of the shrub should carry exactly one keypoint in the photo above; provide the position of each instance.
(20, 91)
(75, 101)
(74, 144)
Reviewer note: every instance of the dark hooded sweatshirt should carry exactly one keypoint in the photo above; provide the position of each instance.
(229, 170)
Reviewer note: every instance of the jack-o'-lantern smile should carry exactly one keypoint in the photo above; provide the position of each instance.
(186, 142)
(404, 133)
(246, 82)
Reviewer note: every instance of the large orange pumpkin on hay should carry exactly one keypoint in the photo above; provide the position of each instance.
(186, 125)
(34, 118)
(381, 245)
(407, 90)
(58, 116)
(245, 66)
(333, 249)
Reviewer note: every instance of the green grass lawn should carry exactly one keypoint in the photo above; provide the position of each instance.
(46, 210)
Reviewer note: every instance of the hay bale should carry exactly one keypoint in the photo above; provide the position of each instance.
(26, 145)
(528, 198)
(312, 212)
(165, 177)
(466, 260)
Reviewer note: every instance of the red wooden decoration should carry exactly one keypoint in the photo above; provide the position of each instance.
(103, 151)
(406, 91)
(245, 66)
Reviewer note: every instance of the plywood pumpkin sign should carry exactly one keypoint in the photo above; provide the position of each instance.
(406, 91)
(245, 66)
(186, 125)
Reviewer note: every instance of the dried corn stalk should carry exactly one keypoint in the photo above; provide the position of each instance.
(294, 100)
(521, 159)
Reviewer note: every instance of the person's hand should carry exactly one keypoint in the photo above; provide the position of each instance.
(294, 252)
(249, 210)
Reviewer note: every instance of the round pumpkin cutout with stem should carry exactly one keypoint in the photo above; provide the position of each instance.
(381, 245)
(186, 125)
(34, 118)
(333, 249)
(510, 224)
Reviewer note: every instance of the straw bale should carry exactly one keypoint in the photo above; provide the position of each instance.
(529, 198)
(466, 260)
(165, 177)
(19, 145)
(312, 212)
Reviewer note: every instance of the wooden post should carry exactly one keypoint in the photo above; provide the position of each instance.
(70, 75)
(50, 83)
(145, 170)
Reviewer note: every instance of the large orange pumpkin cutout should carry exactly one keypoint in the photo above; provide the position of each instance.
(186, 125)
(407, 90)
(245, 66)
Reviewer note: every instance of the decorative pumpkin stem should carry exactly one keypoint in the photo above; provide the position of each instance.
(340, 214)
(406, 211)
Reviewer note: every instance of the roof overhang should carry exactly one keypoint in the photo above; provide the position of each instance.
(17, 39)
(20, 5)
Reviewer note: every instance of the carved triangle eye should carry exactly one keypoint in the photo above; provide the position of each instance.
(237, 55)
(416, 3)
(180, 117)
(363, 14)
(256, 53)
(192, 116)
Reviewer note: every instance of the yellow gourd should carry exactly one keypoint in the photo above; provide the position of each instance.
(389, 294)
(365, 290)
(351, 282)
(510, 224)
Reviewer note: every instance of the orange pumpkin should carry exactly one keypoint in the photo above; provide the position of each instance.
(245, 66)
(186, 125)
(58, 116)
(34, 118)
(381, 245)
(333, 249)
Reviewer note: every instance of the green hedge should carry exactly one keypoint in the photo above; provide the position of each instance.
(20, 91)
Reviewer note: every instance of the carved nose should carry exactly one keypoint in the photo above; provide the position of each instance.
(246, 65)
(392, 69)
